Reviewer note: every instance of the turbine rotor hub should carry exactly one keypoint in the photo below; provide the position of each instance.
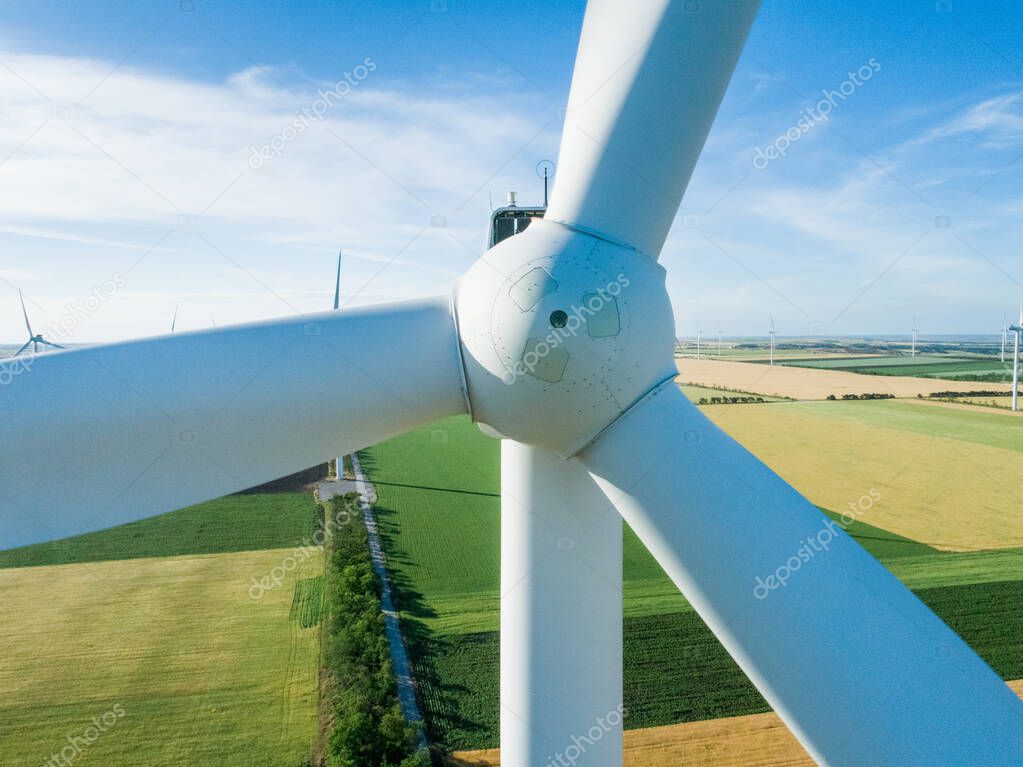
(561, 331)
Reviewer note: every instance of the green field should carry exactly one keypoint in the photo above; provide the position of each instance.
(234, 523)
(438, 505)
(158, 618)
(992, 429)
(921, 366)
(204, 673)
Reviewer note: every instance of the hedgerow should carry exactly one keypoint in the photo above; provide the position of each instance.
(367, 728)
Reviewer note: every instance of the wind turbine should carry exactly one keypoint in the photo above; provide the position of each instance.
(912, 351)
(1005, 332)
(772, 339)
(719, 339)
(699, 339)
(1016, 329)
(859, 669)
(34, 339)
(337, 284)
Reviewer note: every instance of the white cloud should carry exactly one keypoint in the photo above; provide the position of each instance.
(145, 152)
(87, 197)
(998, 121)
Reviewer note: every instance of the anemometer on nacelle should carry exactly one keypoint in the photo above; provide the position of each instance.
(510, 220)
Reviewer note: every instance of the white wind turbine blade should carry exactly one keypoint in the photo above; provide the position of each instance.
(647, 83)
(139, 428)
(337, 284)
(174, 320)
(21, 351)
(24, 313)
(859, 669)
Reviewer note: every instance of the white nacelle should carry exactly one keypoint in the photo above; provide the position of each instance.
(561, 332)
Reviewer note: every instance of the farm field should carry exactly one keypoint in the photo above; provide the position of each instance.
(762, 351)
(923, 365)
(697, 393)
(234, 523)
(925, 461)
(1002, 402)
(438, 506)
(809, 383)
(157, 617)
(856, 361)
(203, 673)
(729, 742)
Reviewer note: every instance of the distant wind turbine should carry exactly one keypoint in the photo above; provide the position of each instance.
(699, 338)
(1005, 332)
(1016, 329)
(337, 284)
(912, 348)
(719, 339)
(34, 339)
(772, 338)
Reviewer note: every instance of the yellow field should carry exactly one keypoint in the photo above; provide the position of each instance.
(947, 493)
(991, 402)
(203, 673)
(811, 383)
(740, 741)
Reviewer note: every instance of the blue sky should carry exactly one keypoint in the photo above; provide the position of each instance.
(128, 187)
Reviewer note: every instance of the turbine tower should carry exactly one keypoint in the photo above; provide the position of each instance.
(1016, 330)
(912, 351)
(559, 342)
(34, 339)
(772, 339)
(719, 339)
(699, 339)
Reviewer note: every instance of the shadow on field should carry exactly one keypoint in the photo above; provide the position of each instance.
(293, 483)
(438, 489)
(450, 671)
